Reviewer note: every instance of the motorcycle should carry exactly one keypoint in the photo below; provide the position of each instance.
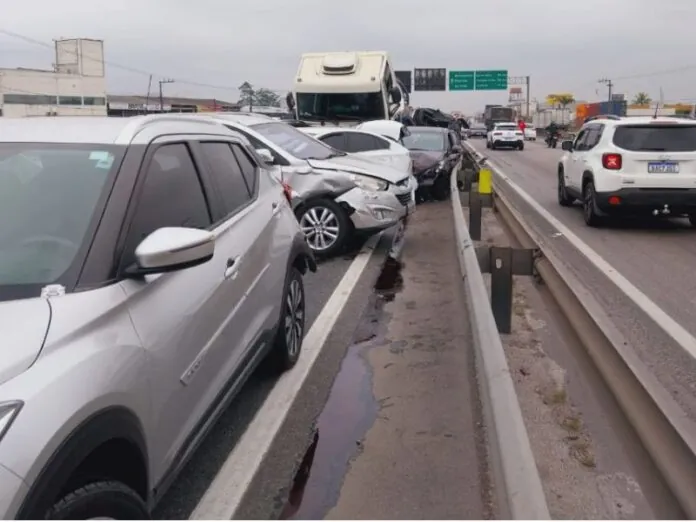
(552, 141)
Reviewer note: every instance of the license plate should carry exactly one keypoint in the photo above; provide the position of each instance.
(663, 167)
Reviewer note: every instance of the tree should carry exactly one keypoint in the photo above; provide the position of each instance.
(561, 101)
(642, 98)
(266, 98)
(256, 97)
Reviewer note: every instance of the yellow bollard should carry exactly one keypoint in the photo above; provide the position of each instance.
(485, 182)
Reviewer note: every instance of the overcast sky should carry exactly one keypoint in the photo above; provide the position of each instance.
(563, 46)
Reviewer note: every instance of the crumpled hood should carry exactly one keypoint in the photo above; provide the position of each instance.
(425, 159)
(357, 165)
(23, 326)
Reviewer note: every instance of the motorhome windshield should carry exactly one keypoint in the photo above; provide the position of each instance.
(357, 106)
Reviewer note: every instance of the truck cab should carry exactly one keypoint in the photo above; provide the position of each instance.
(346, 88)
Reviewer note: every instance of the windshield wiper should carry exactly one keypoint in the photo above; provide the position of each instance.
(336, 154)
(653, 149)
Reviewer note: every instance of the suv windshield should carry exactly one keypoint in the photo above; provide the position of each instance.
(341, 106)
(49, 195)
(432, 141)
(295, 142)
(656, 137)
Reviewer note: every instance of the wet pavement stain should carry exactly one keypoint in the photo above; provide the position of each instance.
(348, 414)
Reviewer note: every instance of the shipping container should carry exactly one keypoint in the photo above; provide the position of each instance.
(593, 109)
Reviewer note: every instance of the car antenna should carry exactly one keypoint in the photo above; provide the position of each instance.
(657, 105)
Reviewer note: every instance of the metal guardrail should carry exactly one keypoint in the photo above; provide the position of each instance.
(518, 486)
(666, 432)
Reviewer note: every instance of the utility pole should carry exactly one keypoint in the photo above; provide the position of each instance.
(147, 98)
(161, 96)
(609, 84)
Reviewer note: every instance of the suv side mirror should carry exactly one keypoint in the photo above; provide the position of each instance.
(169, 249)
(567, 145)
(266, 155)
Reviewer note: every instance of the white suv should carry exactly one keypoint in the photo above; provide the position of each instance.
(630, 166)
(505, 135)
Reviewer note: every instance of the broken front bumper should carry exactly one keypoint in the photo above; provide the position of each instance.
(378, 210)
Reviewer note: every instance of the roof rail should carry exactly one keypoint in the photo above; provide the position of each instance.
(139, 123)
(602, 117)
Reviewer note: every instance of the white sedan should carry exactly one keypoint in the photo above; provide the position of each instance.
(370, 145)
(530, 134)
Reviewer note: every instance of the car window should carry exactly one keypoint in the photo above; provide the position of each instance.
(258, 144)
(337, 141)
(430, 141)
(506, 127)
(361, 142)
(227, 174)
(250, 170)
(50, 196)
(594, 134)
(661, 137)
(293, 141)
(171, 196)
(577, 144)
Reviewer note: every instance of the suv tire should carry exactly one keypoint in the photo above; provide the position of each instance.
(589, 206)
(563, 198)
(335, 217)
(104, 499)
(287, 344)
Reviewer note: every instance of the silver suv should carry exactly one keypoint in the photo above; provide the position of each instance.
(147, 265)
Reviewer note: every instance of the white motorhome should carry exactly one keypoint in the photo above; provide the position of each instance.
(347, 87)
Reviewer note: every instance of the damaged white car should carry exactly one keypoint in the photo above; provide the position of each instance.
(336, 194)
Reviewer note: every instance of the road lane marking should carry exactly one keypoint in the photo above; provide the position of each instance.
(225, 493)
(671, 327)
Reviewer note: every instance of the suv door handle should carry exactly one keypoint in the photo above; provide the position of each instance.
(232, 268)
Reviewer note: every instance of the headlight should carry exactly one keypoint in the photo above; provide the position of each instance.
(8, 412)
(369, 183)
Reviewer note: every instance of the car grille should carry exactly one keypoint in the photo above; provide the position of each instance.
(404, 199)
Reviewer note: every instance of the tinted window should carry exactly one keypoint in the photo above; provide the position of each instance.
(293, 141)
(361, 142)
(249, 168)
(593, 136)
(433, 141)
(656, 137)
(49, 197)
(171, 196)
(337, 141)
(227, 174)
(508, 127)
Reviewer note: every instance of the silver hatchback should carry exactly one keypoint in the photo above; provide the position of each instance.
(147, 265)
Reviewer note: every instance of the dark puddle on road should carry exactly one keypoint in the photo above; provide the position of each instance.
(348, 414)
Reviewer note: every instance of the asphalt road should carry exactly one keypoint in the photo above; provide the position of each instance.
(267, 497)
(656, 256)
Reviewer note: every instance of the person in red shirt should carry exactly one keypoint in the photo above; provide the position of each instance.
(522, 125)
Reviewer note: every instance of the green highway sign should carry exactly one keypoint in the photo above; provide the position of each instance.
(461, 80)
(491, 81)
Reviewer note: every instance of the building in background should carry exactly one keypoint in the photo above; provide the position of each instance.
(127, 105)
(76, 85)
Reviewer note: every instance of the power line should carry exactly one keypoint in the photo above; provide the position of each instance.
(134, 70)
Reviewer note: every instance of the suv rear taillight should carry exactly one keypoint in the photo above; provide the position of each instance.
(287, 190)
(611, 161)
